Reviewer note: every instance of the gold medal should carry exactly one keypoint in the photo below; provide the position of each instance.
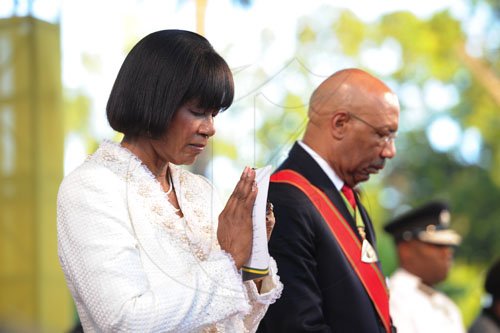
(362, 233)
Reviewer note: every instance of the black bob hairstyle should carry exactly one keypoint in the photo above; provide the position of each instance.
(162, 72)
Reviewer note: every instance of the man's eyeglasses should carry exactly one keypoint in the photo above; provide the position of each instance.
(385, 137)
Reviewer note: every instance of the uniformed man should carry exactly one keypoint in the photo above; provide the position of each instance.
(425, 247)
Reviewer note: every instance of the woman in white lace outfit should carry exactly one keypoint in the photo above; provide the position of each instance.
(145, 245)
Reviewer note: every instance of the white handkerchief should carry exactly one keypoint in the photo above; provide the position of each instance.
(258, 263)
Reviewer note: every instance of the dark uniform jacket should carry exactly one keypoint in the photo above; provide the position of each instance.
(322, 292)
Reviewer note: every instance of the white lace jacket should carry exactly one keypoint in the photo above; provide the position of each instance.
(132, 265)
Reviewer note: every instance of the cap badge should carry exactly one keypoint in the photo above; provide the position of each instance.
(444, 218)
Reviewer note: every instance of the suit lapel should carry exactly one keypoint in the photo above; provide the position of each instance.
(299, 160)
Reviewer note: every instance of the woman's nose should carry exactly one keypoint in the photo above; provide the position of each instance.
(207, 127)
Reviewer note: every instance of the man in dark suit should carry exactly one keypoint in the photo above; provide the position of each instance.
(323, 240)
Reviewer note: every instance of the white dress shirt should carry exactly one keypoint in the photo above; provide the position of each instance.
(323, 164)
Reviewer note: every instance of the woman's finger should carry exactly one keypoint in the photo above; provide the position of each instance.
(240, 203)
(238, 189)
(251, 196)
(270, 219)
(269, 208)
(238, 192)
(245, 193)
(244, 185)
(235, 230)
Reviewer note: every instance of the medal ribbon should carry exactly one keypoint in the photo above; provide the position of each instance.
(354, 211)
(368, 273)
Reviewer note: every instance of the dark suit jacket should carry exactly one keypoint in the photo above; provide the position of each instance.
(322, 293)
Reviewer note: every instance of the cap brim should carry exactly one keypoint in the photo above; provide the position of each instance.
(440, 237)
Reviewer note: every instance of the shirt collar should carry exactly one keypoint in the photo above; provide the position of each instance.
(409, 277)
(323, 164)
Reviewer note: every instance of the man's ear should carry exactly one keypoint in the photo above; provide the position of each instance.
(338, 124)
(406, 251)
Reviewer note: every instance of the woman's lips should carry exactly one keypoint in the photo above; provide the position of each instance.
(199, 147)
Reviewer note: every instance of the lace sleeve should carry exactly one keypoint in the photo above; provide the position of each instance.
(270, 291)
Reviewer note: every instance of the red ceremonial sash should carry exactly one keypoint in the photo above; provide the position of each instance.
(369, 273)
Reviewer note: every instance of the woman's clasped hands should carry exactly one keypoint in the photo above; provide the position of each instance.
(235, 231)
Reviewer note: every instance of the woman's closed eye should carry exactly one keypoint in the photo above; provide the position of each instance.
(203, 113)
